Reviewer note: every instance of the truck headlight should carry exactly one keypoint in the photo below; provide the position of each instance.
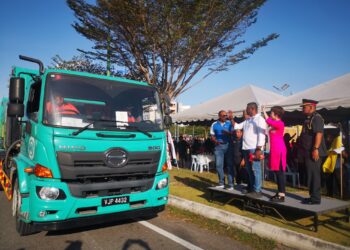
(163, 183)
(49, 193)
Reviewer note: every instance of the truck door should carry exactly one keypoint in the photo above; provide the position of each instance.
(33, 106)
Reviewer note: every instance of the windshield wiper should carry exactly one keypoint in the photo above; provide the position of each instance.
(75, 133)
(85, 127)
(136, 128)
(120, 126)
(123, 125)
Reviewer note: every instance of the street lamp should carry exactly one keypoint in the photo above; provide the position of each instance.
(282, 88)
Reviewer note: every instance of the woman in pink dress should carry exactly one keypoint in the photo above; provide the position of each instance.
(278, 152)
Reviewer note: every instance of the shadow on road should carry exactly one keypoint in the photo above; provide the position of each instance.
(134, 243)
(74, 245)
(98, 226)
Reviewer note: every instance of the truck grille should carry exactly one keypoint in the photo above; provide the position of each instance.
(88, 175)
(102, 163)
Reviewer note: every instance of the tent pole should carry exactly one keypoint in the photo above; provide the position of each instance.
(341, 165)
(175, 132)
(341, 175)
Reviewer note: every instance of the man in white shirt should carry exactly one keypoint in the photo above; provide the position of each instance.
(253, 142)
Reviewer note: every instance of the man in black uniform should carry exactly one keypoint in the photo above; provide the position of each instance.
(314, 148)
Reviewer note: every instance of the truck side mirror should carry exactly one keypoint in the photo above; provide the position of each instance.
(167, 120)
(16, 91)
(15, 107)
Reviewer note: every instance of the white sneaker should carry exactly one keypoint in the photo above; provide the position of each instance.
(220, 186)
(230, 189)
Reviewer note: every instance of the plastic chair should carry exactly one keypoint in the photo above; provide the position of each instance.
(203, 163)
(211, 161)
(207, 162)
(289, 172)
(194, 164)
(294, 175)
(268, 173)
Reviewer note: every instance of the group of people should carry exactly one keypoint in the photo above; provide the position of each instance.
(187, 146)
(241, 144)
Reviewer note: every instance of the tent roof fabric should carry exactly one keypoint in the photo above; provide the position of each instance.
(236, 101)
(331, 95)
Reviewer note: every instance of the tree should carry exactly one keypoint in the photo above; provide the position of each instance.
(83, 64)
(166, 43)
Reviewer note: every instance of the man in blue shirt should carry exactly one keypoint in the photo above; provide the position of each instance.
(220, 132)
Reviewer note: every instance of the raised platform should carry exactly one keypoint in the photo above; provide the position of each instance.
(293, 202)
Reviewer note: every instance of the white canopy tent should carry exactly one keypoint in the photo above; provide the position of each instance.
(236, 101)
(331, 95)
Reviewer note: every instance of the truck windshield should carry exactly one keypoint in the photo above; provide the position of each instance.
(76, 101)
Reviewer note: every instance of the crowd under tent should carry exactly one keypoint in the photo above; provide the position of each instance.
(333, 97)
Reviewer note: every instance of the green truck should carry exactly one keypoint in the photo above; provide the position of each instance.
(80, 149)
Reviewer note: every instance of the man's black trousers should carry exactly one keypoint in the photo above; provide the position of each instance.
(313, 169)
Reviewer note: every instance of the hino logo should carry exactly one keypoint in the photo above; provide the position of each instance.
(116, 158)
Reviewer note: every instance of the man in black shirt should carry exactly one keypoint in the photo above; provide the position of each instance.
(182, 147)
(313, 148)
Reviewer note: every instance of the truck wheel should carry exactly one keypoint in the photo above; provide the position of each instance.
(21, 227)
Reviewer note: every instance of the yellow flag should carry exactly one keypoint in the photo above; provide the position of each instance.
(329, 164)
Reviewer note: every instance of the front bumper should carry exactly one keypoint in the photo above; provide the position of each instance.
(37, 211)
(95, 220)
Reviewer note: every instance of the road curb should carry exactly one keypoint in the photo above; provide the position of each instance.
(262, 229)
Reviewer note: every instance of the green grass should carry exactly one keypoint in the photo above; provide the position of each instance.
(193, 186)
(252, 240)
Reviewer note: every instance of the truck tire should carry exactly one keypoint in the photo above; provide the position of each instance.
(21, 227)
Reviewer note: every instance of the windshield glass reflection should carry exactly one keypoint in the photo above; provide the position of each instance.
(75, 101)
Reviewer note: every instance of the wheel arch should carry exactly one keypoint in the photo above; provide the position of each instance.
(18, 173)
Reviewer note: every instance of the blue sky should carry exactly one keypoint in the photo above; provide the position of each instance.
(313, 46)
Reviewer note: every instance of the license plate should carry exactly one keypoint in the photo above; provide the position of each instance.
(115, 201)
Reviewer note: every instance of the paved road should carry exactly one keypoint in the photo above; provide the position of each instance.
(162, 232)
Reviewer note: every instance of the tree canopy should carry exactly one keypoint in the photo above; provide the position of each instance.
(166, 43)
(83, 64)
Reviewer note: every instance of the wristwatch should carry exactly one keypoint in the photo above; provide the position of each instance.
(315, 148)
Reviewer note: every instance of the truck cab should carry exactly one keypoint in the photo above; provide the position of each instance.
(86, 149)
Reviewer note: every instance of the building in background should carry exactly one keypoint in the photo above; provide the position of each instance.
(177, 107)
